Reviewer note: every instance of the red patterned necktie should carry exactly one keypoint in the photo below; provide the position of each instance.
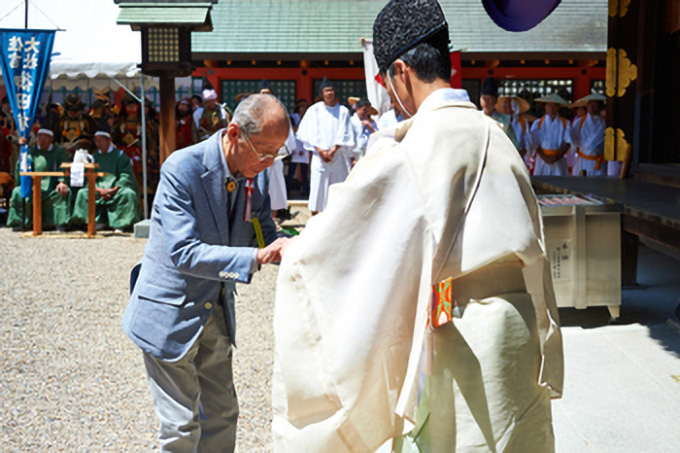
(249, 192)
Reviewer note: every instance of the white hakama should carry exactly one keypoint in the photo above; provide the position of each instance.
(277, 186)
(277, 183)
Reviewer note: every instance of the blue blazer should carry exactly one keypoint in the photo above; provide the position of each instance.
(195, 253)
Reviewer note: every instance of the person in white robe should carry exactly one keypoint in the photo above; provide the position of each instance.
(358, 361)
(551, 138)
(580, 111)
(515, 107)
(277, 183)
(363, 125)
(326, 131)
(301, 106)
(588, 136)
(299, 160)
(488, 100)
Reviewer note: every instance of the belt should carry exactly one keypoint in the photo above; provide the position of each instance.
(494, 279)
(599, 159)
(551, 152)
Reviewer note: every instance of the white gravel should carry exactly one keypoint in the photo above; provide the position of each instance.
(71, 379)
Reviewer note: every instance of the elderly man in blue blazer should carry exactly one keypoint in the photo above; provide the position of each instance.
(202, 241)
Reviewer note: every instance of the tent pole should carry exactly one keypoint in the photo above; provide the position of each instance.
(146, 199)
(141, 101)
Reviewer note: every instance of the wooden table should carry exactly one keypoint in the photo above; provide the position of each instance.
(91, 175)
(651, 211)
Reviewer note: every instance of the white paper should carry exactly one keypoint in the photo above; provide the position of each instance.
(77, 174)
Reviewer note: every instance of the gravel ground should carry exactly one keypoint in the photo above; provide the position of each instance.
(71, 379)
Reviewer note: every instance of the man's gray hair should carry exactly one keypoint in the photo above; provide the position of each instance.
(251, 113)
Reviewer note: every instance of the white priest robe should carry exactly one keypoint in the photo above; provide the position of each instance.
(588, 135)
(277, 183)
(354, 292)
(389, 119)
(550, 135)
(324, 127)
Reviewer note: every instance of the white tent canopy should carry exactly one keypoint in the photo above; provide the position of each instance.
(91, 50)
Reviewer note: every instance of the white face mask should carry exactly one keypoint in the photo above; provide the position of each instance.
(396, 96)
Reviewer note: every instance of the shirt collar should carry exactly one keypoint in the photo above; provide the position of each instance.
(111, 148)
(444, 95)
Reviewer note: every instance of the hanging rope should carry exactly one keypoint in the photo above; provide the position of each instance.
(12, 10)
(47, 17)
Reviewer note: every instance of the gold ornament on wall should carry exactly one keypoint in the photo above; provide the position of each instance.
(618, 6)
(615, 149)
(620, 72)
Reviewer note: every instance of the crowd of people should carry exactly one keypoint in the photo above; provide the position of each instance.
(112, 134)
(554, 144)
(325, 142)
(109, 134)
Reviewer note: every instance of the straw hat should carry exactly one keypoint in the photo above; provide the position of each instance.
(239, 97)
(592, 97)
(361, 102)
(577, 104)
(553, 97)
(523, 105)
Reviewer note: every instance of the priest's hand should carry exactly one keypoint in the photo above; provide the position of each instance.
(325, 156)
(272, 253)
(62, 189)
(331, 152)
(547, 159)
(107, 194)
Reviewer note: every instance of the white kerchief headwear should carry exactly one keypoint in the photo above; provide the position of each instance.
(209, 94)
(46, 132)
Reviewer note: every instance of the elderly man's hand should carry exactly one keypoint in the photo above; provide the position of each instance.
(62, 189)
(272, 253)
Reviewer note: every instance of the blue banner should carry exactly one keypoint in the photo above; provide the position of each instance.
(25, 66)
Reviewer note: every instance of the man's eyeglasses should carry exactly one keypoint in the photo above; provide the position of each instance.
(261, 157)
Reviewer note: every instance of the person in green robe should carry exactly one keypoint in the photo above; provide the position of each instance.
(118, 201)
(56, 196)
